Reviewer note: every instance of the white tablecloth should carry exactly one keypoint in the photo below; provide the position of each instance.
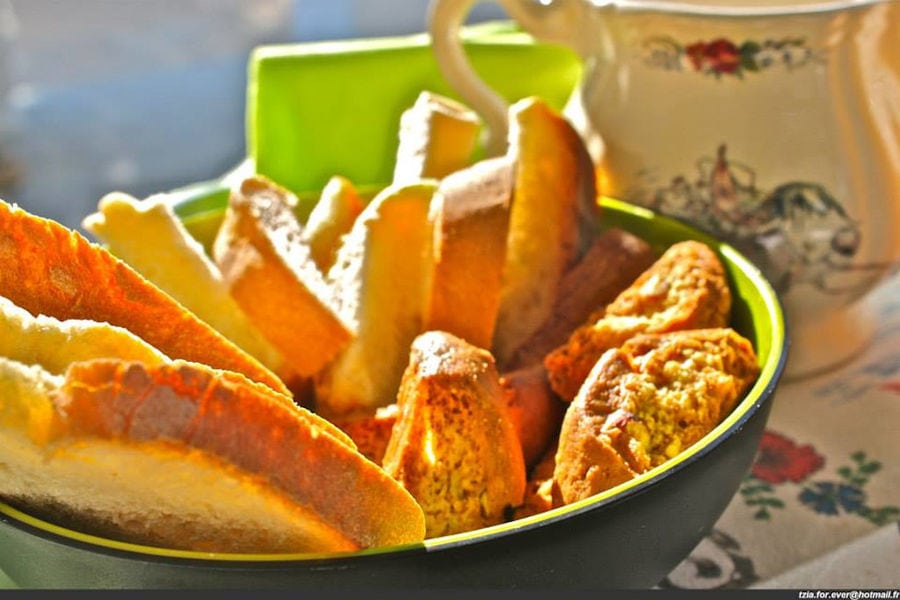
(821, 505)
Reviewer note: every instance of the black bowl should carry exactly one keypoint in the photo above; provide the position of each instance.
(631, 536)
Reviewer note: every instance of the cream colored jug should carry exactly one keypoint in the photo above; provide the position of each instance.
(773, 126)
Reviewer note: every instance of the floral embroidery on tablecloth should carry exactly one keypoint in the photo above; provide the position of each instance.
(780, 462)
(891, 386)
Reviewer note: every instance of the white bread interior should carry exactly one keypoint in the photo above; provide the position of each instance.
(148, 236)
(380, 281)
(438, 136)
(55, 344)
(330, 219)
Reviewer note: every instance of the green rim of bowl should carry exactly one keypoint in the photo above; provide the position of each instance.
(757, 314)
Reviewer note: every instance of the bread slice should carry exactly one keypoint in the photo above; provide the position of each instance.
(471, 218)
(647, 401)
(611, 264)
(48, 269)
(372, 433)
(437, 137)
(685, 288)
(552, 220)
(269, 271)
(380, 280)
(55, 344)
(182, 456)
(148, 236)
(331, 218)
(453, 446)
(533, 408)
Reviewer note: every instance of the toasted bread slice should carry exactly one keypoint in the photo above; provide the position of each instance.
(552, 220)
(453, 446)
(533, 408)
(686, 288)
(48, 269)
(148, 236)
(611, 264)
(380, 281)
(645, 402)
(331, 218)
(183, 456)
(471, 218)
(541, 492)
(437, 137)
(54, 344)
(269, 271)
(372, 433)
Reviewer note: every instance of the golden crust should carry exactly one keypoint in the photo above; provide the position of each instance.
(686, 288)
(48, 269)
(645, 402)
(249, 427)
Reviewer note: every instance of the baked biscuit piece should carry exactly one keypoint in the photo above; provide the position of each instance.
(167, 255)
(470, 211)
(380, 280)
(612, 263)
(686, 288)
(647, 401)
(371, 433)
(552, 220)
(437, 137)
(533, 408)
(331, 218)
(267, 267)
(453, 447)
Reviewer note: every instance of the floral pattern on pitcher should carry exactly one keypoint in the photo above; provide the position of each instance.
(796, 233)
(721, 56)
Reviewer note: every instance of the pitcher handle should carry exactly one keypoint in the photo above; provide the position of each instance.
(546, 20)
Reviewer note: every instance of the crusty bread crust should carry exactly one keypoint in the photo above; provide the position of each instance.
(48, 269)
(54, 344)
(188, 457)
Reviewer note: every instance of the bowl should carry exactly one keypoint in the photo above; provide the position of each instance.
(630, 536)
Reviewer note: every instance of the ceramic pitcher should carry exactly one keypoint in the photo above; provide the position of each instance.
(773, 126)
